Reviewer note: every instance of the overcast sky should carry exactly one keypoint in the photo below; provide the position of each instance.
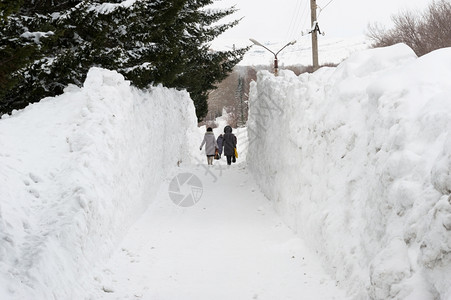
(283, 20)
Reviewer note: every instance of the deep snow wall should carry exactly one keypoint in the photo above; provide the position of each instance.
(77, 170)
(357, 160)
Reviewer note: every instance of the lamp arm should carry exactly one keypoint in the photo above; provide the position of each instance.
(282, 48)
(275, 54)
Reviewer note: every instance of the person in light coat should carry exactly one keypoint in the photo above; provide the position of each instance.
(210, 145)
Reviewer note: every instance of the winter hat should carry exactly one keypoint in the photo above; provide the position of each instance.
(228, 129)
(209, 129)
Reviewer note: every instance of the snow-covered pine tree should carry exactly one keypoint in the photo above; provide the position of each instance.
(30, 41)
(159, 41)
(176, 52)
(16, 51)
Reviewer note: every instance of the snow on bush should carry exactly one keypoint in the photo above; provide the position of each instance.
(357, 159)
(75, 171)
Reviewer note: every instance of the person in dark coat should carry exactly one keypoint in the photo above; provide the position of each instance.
(229, 144)
(219, 141)
(210, 145)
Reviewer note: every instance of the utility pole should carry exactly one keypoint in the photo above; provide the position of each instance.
(314, 35)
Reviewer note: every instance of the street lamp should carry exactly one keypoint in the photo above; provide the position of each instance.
(276, 66)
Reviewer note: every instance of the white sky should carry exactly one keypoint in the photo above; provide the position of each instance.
(283, 20)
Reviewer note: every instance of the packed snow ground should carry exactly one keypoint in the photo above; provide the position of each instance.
(357, 159)
(229, 245)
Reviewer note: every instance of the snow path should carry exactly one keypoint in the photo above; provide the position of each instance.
(229, 245)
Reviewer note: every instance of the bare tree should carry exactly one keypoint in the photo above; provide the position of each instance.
(422, 32)
(437, 25)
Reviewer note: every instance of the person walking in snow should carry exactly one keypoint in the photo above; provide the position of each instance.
(210, 145)
(219, 141)
(229, 143)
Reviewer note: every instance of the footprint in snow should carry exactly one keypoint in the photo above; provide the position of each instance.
(34, 192)
(34, 177)
(107, 289)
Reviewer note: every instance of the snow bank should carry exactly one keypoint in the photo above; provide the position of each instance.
(75, 172)
(357, 159)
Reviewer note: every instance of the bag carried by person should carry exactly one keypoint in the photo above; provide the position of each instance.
(217, 156)
(235, 156)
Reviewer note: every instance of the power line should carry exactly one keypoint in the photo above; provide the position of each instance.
(322, 8)
(293, 16)
(299, 19)
(293, 21)
(304, 17)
